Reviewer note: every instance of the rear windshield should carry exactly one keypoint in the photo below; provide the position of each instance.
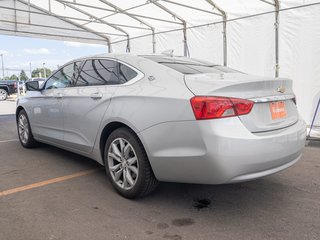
(187, 68)
(192, 66)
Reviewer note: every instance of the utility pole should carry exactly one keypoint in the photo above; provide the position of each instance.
(30, 70)
(2, 66)
(44, 70)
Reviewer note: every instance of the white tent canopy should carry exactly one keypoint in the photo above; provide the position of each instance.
(239, 33)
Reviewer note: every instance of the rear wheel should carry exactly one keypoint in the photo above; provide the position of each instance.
(3, 95)
(127, 164)
(24, 130)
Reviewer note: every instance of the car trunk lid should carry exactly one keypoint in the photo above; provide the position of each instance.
(274, 106)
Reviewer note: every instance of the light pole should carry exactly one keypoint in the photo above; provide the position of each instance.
(2, 66)
(30, 70)
(44, 70)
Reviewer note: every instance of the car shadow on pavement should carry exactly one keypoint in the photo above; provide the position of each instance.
(265, 191)
(238, 200)
(256, 193)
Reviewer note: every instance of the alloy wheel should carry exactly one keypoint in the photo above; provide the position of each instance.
(3, 95)
(123, 163)
(23, 127)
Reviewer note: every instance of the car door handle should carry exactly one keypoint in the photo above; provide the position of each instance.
(96, 96)
(58, 95)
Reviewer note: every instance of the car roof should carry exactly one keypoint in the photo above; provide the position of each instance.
(153, 57)
(148, 56)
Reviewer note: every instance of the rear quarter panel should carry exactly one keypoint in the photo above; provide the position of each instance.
(160, 96)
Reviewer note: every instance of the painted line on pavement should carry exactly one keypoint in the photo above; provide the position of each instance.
(10, 140)
(47, 182)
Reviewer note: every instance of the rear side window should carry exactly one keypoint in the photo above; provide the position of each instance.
(98, 72)
(126, 73)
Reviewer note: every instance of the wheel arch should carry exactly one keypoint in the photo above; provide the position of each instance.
(19, 108)
(109, 128)
(6, 88)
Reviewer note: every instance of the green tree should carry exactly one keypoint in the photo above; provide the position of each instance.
(23, 76)
(40, 72)
(13, 77)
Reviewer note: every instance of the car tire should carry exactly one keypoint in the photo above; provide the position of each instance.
(127, 165)
(24, 130)
(3, 94)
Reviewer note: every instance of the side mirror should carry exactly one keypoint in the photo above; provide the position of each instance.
(32, 86)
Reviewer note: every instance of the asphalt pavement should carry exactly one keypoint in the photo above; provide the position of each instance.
(48, 193)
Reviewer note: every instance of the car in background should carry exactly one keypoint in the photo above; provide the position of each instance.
(158, 118)
(40, 80)
(7, 87)
(21, 86)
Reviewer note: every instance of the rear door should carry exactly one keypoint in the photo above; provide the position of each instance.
(85, 104)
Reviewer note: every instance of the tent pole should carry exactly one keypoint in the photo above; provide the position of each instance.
(29, 14)
(131, 16)
(276, 24)
(153, 41)
(190, 7)
(102, 21)
(49, 4)
(128, 44)
(276, 5)
(15, 16)
(225, 56)
(109, 47)
(224, 32)
(185, 44)
(65, 20)
(184, 23)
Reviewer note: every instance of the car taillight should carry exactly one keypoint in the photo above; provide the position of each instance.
(15, 85)
(219, 107)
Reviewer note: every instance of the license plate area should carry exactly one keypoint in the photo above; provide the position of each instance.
(278, 110)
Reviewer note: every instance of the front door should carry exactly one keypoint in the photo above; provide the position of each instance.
(47, 108)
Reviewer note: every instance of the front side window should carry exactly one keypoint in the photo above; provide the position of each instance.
(65, 77)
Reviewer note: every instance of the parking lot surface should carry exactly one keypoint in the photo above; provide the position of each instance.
(48, 193)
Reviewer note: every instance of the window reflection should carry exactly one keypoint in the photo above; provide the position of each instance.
(64, 77)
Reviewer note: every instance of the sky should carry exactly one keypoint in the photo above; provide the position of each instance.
(18, 52)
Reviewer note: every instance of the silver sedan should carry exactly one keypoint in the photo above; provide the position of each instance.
(163, 118)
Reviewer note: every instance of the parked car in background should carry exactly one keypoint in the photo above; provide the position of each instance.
(21, 86)
(40, 80)
(7, 87)
(163, 118)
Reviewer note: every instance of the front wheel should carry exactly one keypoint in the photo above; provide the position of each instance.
(24, 130)
(3, 95)
(127, 164)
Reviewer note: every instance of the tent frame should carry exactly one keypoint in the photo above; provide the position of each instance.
(276, 5)
(112, 9)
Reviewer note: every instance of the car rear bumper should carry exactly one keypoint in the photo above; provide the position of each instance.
(220, 151)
